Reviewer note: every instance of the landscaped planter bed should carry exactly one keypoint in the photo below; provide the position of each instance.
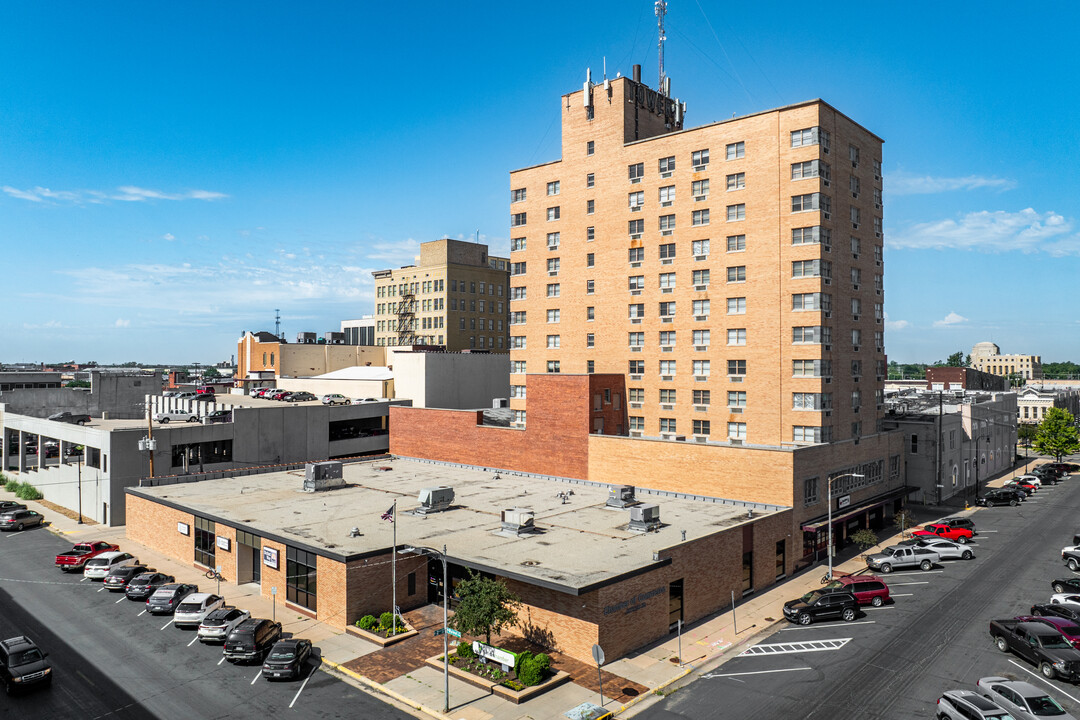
(515, 696)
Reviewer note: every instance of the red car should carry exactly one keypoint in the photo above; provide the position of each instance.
(958, 534)
(1063, 467)
(1066, 627)
(76, 557)
(279, 395)
(1028, 487)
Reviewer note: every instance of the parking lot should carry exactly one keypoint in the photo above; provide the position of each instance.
(113, 659)
(895, 661)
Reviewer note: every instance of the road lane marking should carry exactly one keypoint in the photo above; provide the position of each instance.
(756, 672)
(794, 647)
(193, 641)
(1040, 677)
(830, 625)
(166, 625)
(924, 582)
(256, 678)
(297, 696)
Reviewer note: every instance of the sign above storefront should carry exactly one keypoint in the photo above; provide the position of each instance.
(843, 501)
(183, 528)
(270, 557)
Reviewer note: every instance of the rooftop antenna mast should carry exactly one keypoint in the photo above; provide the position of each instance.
(277, 322)
(661, 11)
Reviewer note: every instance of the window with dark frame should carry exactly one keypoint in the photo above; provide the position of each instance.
(301, 580)
(205, 541)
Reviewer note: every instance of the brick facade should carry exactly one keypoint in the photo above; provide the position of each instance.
(957, 378)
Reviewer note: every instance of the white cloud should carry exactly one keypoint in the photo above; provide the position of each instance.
(905, 184)
(896, 324)
(50, 325)
(994, 231)
(168, 236)
(951, 319)
(126, 193)
(121, 322)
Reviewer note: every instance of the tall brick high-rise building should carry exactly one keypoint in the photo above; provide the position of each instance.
(732, 272)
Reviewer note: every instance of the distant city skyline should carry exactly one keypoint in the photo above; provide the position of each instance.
(171, 175)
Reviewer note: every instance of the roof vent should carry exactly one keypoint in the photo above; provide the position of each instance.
(322, 476)
(518, 521)
(621, 496)
(644, 518)
(435, 499)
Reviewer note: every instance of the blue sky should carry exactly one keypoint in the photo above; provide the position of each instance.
(172, 174)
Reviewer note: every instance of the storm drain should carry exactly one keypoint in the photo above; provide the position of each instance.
(794, 647)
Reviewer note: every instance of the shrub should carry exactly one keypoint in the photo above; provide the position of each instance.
(11, 485)
(367, 622)
(386, 620)
(530, 672)
(543, 661)
(465, 651)
(522, 658)
(27, 491)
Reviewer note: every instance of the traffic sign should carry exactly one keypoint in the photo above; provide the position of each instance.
(439, 631)
(453, 633)
(598, 654)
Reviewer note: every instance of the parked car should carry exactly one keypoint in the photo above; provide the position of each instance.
(77, 556)
(1068, 628)
(145, 585)
(959, 534)
(1023, 700)
(20, 519)
(118, 578)
(195, 607)
(204, 390)
(167, 597)
(170, 393)
(1046, 474)
(1058, 598)
(867, 589)
(1022, 485)
(999, 496)
(185, 395)
(218, 416)
(1066, 468)
(1069, 611)
(98, 567)
(251, 640)
(1071, 585)
(276, 395)
(1030, 478)
(176, 415)
(205, 397)
(8, 505)
(301, 396)
(949, 550)
(264, 392)
(335, 399)
(968, 705)
(217, 625)
(74, 418)
(286, 659)
(23, 664)
(894, 557)
(817, 605)
(1040, 645)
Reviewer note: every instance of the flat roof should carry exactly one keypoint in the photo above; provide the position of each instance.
(580, 544)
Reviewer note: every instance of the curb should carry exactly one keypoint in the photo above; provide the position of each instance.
(383, 690)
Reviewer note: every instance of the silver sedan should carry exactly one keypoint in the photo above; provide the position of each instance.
(1023, 700)
(949, 550)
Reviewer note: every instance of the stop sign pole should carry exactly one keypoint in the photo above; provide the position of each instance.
(598, 656)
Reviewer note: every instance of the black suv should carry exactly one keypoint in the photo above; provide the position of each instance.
(22, 664)
(960, 522)
(999, 496)
(819, 605)
(251, 640)
(143, 586)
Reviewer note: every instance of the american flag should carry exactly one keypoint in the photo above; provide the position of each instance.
(389, 514)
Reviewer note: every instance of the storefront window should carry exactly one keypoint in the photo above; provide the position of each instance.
(300, 577)
(204, 541)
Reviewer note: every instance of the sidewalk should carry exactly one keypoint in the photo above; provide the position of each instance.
(630, 684)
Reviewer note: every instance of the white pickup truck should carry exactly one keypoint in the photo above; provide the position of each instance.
(176, 416)
(899, 556)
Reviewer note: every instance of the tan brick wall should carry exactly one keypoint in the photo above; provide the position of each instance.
(226, 558)
(154, 525)
(369, 582)
(560, 621)
(273, 578)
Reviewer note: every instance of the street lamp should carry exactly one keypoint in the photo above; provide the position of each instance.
(829, 550)
(445, 600)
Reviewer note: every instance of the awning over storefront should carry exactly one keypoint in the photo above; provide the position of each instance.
(849, 512)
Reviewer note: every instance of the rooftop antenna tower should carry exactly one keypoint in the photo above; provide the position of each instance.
(277, 322)
(661, 11)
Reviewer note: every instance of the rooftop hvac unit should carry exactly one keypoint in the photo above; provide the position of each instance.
(322, 476)
(518, 521)
(497, 403)
(621, 496)
(644, 518)
(435, 499)
(306, 338)
(335, 338)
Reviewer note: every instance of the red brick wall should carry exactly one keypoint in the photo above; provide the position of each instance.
(555, 440)
(963, 377)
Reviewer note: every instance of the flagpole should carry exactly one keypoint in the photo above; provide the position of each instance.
(393, 572)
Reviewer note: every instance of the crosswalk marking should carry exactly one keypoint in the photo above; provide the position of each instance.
(794, 647)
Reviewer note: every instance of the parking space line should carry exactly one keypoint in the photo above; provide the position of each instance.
(119, 601)
(166, 625)
(193, 641)
(900, 594)
(221, 660)
(256, 678)
(1040, 677)
(883, 607)
(297, 696)
(829, 625)
(101, 588)
(923, 582)
(83, 580)
(142, 613)
(756, 672)
(921, 572)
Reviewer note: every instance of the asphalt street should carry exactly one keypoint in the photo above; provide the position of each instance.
(894, 662)
(110, 659)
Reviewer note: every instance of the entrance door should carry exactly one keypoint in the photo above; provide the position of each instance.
(248, 558)
(675, 604)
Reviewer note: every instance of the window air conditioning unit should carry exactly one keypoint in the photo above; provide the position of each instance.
(635, 264)
(635, 292)
(700, 288)
(701, 257)
(665, 233)
(667, 407)
(699, 168)
(635, 321)
(635, 236)
(635, 348)
(667, 348)
(667, 261)
(665, 175)
(701, 348)
(666, 203)
(635, 208)
(667, 378)
(667, 290)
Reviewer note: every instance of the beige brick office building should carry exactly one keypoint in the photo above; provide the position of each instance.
(986, 357)
(456, 295)
(733, 272)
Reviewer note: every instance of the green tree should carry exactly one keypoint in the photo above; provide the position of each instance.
(78, 384)
(955, 360)
(211, 373)
(1025, 433)
(1057, 434)
(485, 606)
(864, 539)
